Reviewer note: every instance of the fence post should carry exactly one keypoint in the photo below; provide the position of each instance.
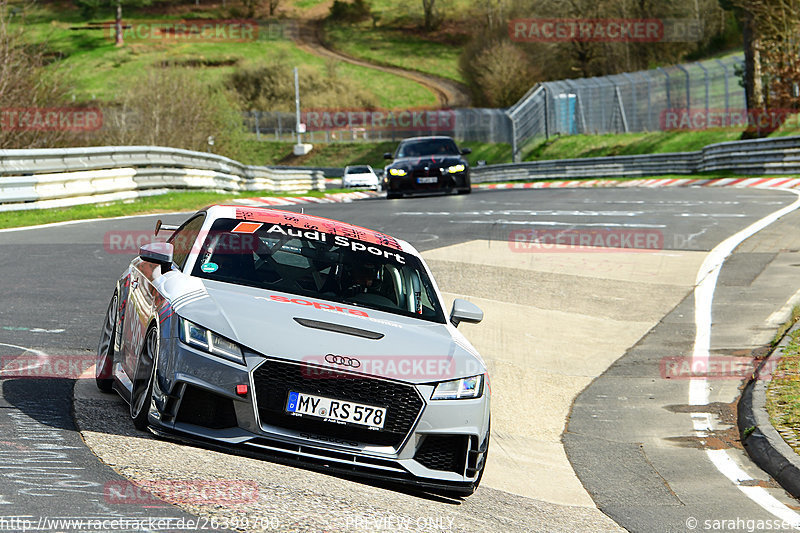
(546, 114)
(688, 86)
(649, 102)
(707, 84)
(621, 108)
(727, 89)
(514, 144)
(635, 118)
(666, 84)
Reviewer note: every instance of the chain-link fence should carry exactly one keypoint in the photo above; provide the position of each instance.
(689, 96)
(325, 126)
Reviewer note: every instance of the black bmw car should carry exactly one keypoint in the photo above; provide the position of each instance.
(426, 164)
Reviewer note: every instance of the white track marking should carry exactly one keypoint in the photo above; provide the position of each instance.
(24, 349)
(706, 283)
(781, 315)
(72, 222)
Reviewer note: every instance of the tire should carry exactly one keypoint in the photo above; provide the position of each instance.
(142, 393)
(464, 191)
(105, 350)
(393, 195)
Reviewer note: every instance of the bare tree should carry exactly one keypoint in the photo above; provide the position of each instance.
(273, 5)
(432, 13)
(173, 108)
(772, 56)
(504, 73)
(26, 91)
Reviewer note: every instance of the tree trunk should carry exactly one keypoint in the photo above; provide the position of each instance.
(118, 24)
(753, 80)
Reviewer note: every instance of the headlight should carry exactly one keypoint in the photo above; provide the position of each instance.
(456, 168)
(397, 172)
(210, 342)
(459, 389)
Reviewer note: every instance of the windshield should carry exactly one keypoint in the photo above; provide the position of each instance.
(320, 265)
(358, 170)
(427, 147)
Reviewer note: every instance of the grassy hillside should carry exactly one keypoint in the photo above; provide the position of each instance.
(400, 47)
(97, 69)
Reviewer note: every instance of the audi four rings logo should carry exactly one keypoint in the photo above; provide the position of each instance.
(342, 360)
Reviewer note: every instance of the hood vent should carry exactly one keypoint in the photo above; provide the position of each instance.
(338, 328)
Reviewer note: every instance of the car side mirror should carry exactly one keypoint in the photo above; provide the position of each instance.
(159, 253)
(465, 151)
(387, 155)
(464, 311)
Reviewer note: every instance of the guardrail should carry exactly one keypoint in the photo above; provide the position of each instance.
(31, 179)
(71, 176)
(759, 156)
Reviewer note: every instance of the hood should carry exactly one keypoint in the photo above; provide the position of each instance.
(306, 329)
(428, 160)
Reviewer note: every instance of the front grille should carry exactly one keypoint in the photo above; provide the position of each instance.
(203, 408)
(273, 381)
(443, 452)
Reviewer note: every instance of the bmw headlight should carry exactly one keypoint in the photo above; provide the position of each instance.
(210, 342)
(456, 168)
(459, 389)
(397, 172)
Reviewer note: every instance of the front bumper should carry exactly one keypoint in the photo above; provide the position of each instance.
(443, 446)
(422, 182)
(367, 183)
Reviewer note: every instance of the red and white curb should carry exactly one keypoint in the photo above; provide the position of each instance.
(335, 198)
(782, 181)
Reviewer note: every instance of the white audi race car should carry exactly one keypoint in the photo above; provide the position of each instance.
(301, 339)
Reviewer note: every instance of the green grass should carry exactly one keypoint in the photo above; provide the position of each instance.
(343, 154)
(572, 146)
(783, 391)
(97, 69)
(398, 47)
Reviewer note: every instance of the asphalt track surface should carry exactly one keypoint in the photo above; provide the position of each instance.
(645, 472)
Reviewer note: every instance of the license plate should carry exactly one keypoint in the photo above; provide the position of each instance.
(427, 180)
(336, 410)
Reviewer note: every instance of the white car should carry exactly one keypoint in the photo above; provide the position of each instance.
(302, 339)
(360, 176)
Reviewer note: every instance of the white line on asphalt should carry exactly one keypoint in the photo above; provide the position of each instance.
(71, 222)
(705, 285)
(784, 313)
(569, 224)
(24, 349)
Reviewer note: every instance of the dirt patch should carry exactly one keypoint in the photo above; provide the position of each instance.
(721, 439)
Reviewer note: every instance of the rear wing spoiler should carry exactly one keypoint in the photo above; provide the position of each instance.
(166, 227)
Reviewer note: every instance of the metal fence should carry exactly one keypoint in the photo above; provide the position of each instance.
(628, 102)
(326, 126)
